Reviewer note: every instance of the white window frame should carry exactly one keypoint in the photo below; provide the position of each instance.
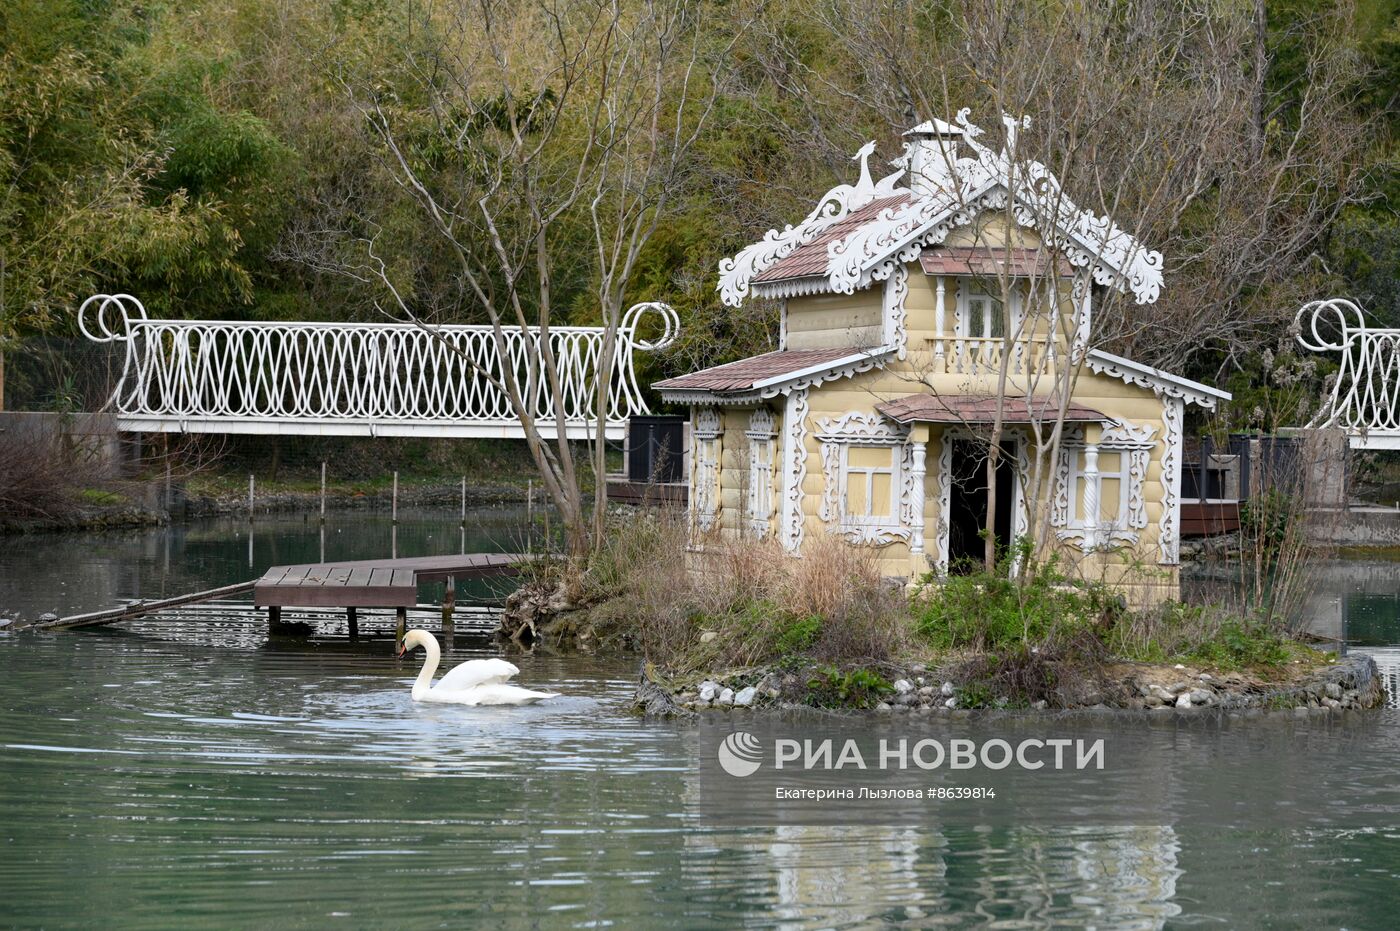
(1134, 445)
(1076, 491)
(850, 475)
(762, 452)
(971, 291)
(838, 436)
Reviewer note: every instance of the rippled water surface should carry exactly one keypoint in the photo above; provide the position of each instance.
(176, 775)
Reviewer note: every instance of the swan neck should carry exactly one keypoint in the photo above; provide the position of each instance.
(432, 655)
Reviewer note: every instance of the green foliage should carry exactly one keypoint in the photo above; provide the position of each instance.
(1204, 635)
(975, 695)
(832, 687)
(995, 611)
(1239, 644)
(799, 635)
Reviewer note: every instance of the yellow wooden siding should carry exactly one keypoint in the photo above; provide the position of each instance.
(826, 321)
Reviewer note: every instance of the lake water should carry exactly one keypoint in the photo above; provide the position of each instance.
(160, 775)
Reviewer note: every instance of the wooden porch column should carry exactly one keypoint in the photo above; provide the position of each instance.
(939, 326)
(352, 618)
(1091, 496)
(919, 437)
(401, 627)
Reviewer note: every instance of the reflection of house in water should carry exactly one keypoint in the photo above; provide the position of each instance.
(1388, 662)
(1121, 876)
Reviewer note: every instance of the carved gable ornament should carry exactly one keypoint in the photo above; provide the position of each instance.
(898, 233)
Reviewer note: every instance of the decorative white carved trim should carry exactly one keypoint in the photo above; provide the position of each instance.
(790, 287)
(1125, 435)
(898, 234)
(708, 423)
(837, 436)
(854, 364)
(945, 501)
(794, 469)
(1020, 515)
(761, 425)
(940, 331)
(737, 273)
(895, 316)
(706, 428)
(1114, 257)
(1164, 383)
(760, 434)
(1022, 523)
(1169, 527)
(1132, 442)
(856, 426)
(918, 470)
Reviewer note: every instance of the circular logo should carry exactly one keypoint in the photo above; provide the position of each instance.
(740, 754)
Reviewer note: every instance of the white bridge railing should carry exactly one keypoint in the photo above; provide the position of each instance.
(1364, 399)
(359, 379)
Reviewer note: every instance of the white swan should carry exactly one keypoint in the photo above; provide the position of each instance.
(475, 682)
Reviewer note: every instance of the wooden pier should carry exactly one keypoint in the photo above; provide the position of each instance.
(374, 583)
(353, 584)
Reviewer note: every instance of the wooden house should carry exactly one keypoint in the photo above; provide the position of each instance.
(921, 315)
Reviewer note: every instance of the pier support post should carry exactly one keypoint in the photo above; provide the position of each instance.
(352, 618)
(449, 604)
(401, 627)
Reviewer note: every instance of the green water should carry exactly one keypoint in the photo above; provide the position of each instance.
(173, 776)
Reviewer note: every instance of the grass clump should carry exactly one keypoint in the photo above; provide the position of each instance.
(995, 611)
(1203, 635)
(831, 687)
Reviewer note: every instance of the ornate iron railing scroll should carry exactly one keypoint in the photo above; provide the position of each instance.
(245, 376)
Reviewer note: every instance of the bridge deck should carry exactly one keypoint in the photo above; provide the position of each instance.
(372, 583)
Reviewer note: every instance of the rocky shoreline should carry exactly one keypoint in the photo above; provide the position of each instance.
(1346, 684)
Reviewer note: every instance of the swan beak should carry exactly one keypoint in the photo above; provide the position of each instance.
(401, 649)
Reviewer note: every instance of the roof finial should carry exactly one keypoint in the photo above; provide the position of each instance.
(866, 185)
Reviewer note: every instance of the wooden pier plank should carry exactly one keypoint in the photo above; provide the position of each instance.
(369, 583)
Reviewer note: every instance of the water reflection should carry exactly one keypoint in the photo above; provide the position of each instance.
(70, 573)
(204, 776)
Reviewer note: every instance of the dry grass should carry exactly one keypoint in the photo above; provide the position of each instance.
(760, 603)
(41, 476)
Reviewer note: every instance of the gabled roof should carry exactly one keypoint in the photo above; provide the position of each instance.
(862, 238)
(810, 258)
(1145, 376)
(771, 373)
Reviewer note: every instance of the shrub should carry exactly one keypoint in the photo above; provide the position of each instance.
(992, 611)
(831, 687)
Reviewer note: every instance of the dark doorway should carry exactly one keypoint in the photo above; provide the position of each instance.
(654, 449)
(967, 512)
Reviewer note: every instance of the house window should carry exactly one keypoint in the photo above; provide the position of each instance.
(982, 315)
(868, 466)
(1112, 487)
(869, 474)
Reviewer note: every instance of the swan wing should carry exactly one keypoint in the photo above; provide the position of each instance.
(498, 693)
(476, 672)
